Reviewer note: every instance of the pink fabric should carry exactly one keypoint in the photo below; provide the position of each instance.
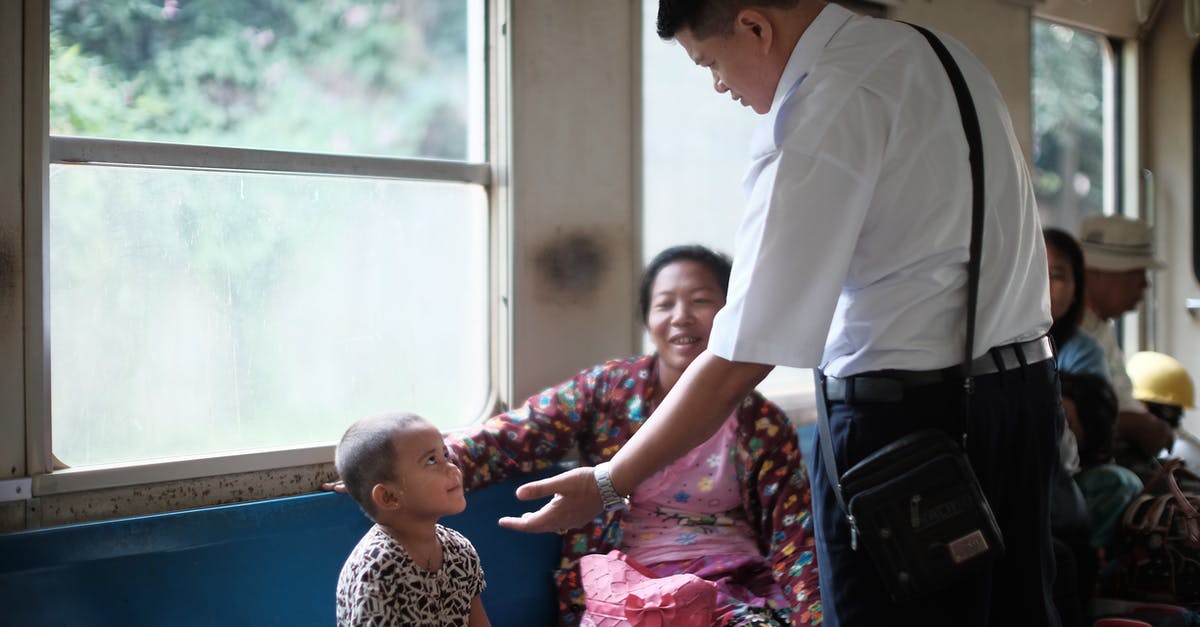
(692, 508)
(744, 583)
(620, 591)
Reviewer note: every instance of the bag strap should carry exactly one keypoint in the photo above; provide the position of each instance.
(970, 123)
(1183, 503)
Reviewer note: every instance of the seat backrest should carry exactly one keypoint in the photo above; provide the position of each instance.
(271, 562)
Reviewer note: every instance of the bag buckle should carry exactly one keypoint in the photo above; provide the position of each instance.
(853, 532)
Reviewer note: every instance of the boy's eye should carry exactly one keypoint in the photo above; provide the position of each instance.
(431, 460)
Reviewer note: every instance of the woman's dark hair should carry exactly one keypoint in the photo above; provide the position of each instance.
(1063, 328)
(1096, 408)
(716, 263)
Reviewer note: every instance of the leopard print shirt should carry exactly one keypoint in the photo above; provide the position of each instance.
(381, 585)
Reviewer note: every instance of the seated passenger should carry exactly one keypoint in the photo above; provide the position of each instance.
(407, 569)
(1090, 406)
(1075, 351)
(735, 511)
(1164, 386)
(1118, 253)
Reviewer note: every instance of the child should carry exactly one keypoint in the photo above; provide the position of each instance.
(407, 569)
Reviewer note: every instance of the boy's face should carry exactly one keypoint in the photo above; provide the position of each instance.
(428, 480)
(740, 62)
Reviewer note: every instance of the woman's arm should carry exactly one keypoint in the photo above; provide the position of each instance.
(692, 411)
(478, 616)
(781, 507)
(549, 426)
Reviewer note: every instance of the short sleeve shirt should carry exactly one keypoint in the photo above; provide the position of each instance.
(381, 585)
(1082, 354)
(852, 250)
(1106, 336)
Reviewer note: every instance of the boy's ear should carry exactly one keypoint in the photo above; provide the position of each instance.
(387, 496)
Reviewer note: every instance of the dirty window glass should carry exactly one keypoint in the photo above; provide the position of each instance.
(199, 311)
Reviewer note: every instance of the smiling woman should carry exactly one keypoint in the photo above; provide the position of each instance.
(743, 495)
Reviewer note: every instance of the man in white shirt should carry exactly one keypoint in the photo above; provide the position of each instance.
(1117, 253)
(852, 256)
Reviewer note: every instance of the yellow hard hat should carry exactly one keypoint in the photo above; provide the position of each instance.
(1159, 378)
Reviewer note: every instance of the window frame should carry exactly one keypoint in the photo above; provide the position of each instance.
(561, 168)
(42, 149)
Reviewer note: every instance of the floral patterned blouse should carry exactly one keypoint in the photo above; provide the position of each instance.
(595, 413)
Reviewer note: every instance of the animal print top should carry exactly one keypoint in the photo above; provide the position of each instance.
(381, 585)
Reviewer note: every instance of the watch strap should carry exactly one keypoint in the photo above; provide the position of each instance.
(608, 494)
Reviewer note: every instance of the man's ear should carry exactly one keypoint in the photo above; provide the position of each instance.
(757, 24)
(387, 496)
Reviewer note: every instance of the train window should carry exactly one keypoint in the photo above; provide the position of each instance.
(266, 219)
(1073, 125)
(367, 77)
(1196, 163)
(695, 148)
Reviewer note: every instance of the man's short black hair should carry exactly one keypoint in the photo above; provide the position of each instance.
(716, 263)
(366, 455)
(705, 18)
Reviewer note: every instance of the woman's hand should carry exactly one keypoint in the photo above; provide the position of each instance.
(576, 502)
(335, 486)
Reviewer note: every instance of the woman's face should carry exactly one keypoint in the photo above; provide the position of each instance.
(1062, 282)
(684, 299)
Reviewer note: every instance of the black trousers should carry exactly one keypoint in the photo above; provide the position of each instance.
(1013, 446)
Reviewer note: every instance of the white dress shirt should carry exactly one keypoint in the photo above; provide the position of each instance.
(852, 250)
(1106, 336)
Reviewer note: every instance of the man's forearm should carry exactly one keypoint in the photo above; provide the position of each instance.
(692, 411)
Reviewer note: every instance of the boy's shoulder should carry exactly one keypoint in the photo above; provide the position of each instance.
(455, 540)
(375, 547)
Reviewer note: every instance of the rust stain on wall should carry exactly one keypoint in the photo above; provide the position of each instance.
(571, 267)
(9, 270)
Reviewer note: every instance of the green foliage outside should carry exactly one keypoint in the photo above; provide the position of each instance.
(1068, 123)
(374, 77)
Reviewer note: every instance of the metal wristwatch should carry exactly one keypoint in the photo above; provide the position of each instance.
(612, 500)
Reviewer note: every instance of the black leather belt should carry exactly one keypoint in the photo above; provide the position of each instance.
(887, 386)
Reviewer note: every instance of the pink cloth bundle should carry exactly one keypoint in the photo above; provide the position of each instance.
(622, 592)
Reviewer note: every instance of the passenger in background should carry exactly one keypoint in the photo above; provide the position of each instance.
(407, 569)
(1118, 252)
(1076, 352)
(1163, 384)
(734, 511)
(1090, 492)
(1091, 409)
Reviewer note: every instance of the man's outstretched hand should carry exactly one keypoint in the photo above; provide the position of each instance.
(576, 502)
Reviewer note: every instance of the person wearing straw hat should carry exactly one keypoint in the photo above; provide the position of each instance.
(1118, 253)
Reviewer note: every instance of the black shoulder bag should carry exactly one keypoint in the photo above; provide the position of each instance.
(915, 505)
